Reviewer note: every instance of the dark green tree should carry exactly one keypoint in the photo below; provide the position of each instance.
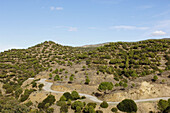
(75, 95)
(106, 86)
(127, 105)
(104, 104)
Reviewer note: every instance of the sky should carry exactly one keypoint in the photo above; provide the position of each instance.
(25, 23)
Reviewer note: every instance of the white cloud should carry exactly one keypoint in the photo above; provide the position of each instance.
(72, 29)
(158, 33)
(68, 28)
(59, 8)
(52, 8)
(129, 27)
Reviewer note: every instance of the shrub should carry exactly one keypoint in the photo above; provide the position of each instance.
(167, 110)
(67, 95)
(50, 99)
(114, 109)
(50, 75)
(125, 85)
(57, 77)
(104, 104)
(60, 103)
(87, 80)
(116, 78)
(62, 98)
(18, 92)
(69, 102)
(75, 95)
(77, 103)
(26, 95)
(64, 108)
(29, 103)
(78, 109)
(71, 79)
(91, 109)
(99, 111)
(105, 86)
(127, 105)
(50, 110)
(40, 86)
(155, 78)
(92, 104)
(162, 105)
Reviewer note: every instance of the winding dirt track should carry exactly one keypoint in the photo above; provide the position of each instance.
(47, 87)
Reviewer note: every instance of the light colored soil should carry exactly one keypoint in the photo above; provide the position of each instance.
(146, 90)
(79, 88)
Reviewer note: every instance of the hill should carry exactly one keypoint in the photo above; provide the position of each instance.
(124, 64)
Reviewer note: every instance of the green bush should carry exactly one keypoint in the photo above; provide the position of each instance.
(26, 94)
(60, 103)
(167, 110)
(75, 95)
(40, 86)
(99, 111)
(78, 109)
(92, 104)
(64, 108)
(87, 80)
(50, 110)
(162, 105)
(104, 104)
(29, 103)
(127, 105)
(67, 95)
(63, 98)
(50, 99)
(91, 109)
(114, 109)
(77, 103)
(105, 86)
(155, 78)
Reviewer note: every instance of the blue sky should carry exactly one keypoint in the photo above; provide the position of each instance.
(24, 23)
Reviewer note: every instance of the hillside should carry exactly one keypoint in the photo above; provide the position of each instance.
(126, 65)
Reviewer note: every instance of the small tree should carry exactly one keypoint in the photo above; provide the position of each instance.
(91, 109)
(87, 80)
(92, 104)
(99, 111)
(50, 75)
(155, 78)
(67, 95)
(125, 85)
(40, 86)
(106, 86)
(63, 98)
(75, 95)
(78, 109)
(162, 105)
(64, 108)
(50, 99)
(77, 103)
(104, 104)
(127, 105)
(114, 109)
(71, 79)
